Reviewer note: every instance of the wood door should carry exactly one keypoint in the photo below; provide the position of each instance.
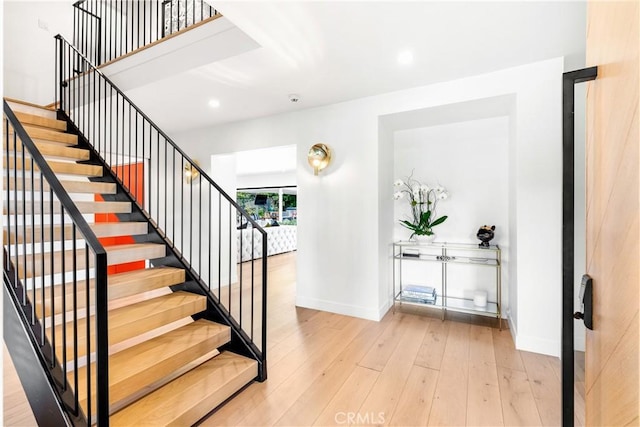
(613, 209)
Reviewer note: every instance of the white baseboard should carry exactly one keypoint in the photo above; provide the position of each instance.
(333, 307)
(384, 308)
(538, 345)
(512, 328)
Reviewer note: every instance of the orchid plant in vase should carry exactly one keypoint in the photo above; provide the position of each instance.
(423, 200)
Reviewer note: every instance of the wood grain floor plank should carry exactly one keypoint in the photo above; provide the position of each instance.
(545, 387)
(449, 406)
(309, 406)
(505, 351)
(235, 410)
(432, 349)
(481, 344)
(518, 404)
(414, 404)
(484, 407)
(457, 346)
(344, 406)
(283, 397)
(379, 354)
(383, 398)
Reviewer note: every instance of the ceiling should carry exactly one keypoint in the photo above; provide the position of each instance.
(328, 52)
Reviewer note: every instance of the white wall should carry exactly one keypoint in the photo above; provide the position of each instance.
(275, 179)
(346, 213)
(29, 51)
(471, 160)
(223, 172)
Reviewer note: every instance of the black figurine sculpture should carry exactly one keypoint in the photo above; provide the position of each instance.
(485, 234)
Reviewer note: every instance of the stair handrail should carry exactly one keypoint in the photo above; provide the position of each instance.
(70, 208)
(108, 29)
(90, 70)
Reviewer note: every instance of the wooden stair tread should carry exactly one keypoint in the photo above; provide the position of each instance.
(59, 167)
(85, 187)
(30, 108)
(120, 285)
(36, 120)
(132, 320)
(133, 282)
(116, 254)
(85, 207)
(191, 396)
(100, 229)
(154, 361)
(51, 150)
(51, 135)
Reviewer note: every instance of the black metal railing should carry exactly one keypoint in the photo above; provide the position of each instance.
(104, 30)
(55, 271)
(193, 215)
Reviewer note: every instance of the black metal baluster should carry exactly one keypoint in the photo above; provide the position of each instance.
(88, 332)
(230, 233)
(114, 166)
(33, 246)
(209, 263)
(253, 262)
(15, 202)
(8, 261)
(219, 245)
(191, 213)
(75, 317)
(241, 268)
(173, 199)
(200, 226)
(122, 42)
(110, 26)
(24, 228)
(129, 162)
(102, 340)
(42, 259)
(135, 182)
(263, 344)
(63, 363)
(157, 170)
(182, 208)
(52, 271)
(166, 178)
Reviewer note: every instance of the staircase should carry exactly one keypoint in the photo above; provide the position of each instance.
(168, 362)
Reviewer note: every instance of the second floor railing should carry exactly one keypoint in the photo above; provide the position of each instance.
(195, 217)
(104, 30)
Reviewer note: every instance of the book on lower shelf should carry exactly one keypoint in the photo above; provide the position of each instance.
(417, 293)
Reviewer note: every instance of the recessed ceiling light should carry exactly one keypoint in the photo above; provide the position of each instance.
(405, 57)
(214, 103)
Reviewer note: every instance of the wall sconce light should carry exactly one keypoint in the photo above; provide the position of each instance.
(319, 157)
(190, 172)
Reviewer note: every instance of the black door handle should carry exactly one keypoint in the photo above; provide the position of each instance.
(586, 298)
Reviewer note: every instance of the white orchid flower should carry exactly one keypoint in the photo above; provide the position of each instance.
(443, 196)
(425, 188)
(398, 195)
(440, 189)
(398, 183)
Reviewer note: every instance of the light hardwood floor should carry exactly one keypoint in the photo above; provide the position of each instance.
(407, 370)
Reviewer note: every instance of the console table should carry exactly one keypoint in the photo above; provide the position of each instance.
(447, 255)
